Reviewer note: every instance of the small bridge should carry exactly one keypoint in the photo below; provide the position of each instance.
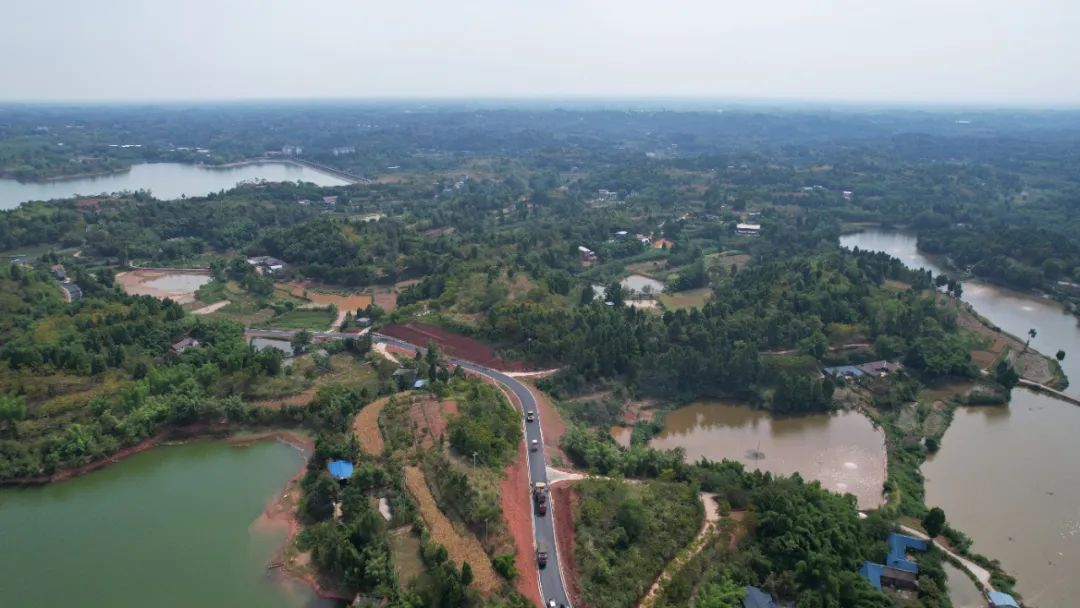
(1042, 388)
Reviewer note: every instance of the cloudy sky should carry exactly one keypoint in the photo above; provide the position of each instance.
(998, 52)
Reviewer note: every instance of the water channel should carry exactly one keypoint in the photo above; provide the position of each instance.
(176, 526)
(164, 180)
(1009, 476)
(842, 450)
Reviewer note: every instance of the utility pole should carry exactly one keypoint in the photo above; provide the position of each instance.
(474, 464)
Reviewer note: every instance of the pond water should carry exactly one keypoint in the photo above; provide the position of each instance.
(842, 450)
(165, 180)
(962, 590)
(179, 282)
(172, 527)
(1010, 477)
(638, 283)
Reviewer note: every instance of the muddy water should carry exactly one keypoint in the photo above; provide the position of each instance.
(962, 591)
(1010, 477)
(172, 527)
(842, 450)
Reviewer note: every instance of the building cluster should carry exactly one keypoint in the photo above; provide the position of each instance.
(873, 369)
(292, 150)
(343, 150)
(265, 264)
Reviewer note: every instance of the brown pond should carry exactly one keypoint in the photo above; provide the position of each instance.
(842, 450)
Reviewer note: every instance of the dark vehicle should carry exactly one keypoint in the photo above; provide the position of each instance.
(540, 497)
(541, 557)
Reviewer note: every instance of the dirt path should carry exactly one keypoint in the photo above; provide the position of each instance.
(981, 574)
(205, 310)
(366, 425)
(382, 350)
(461, 548)
(517, 514)
(708, 528)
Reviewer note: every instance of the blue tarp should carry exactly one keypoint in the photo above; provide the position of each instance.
(340, 469)
(756, 598)
(1002, 600)
(419, 384)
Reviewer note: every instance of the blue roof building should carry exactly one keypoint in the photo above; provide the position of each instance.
(897, 571)
(1002, 600)
(340, 469)
(756, 598)
(899, 544)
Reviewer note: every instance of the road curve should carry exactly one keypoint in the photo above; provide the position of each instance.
(551, 580)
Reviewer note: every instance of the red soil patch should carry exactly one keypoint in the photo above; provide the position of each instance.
(517, 513)
(430, 417)
(564, 499)
(456, 345)
(386, 300)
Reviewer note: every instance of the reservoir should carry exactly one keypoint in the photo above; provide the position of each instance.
(173, 527)
(164, 180)
(1010, 477)
(842, 449)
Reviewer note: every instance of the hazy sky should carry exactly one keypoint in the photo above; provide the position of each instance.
(987, 51)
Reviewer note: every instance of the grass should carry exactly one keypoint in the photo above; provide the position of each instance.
(302, 318)
(405, 551)
(692, 298)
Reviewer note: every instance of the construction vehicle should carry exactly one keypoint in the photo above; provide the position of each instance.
(540, 497)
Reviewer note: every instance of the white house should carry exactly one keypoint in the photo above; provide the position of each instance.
(748, 229)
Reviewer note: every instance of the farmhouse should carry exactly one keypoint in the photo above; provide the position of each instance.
(185, 344)
(748, 229)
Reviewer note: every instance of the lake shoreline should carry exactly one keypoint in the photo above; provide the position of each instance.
(206, 430)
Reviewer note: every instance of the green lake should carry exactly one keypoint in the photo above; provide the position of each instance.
(174, 526)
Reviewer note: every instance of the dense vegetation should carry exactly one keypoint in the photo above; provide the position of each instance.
(624, 534)
(475, 220)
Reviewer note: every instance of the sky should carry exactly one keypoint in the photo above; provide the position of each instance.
(997, 52)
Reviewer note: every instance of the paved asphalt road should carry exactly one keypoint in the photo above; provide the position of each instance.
(551, 583)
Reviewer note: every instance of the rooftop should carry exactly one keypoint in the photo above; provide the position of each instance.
(340, 469)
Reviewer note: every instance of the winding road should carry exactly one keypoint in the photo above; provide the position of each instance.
(551, 577)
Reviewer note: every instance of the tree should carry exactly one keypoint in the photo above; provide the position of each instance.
(12, 409)
(614, 294)
(300, 341)
(587, 295)
(632, 517)
(934, 521)
(725, 594)
(1060, 355)
(466, 574)
(319, 500)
